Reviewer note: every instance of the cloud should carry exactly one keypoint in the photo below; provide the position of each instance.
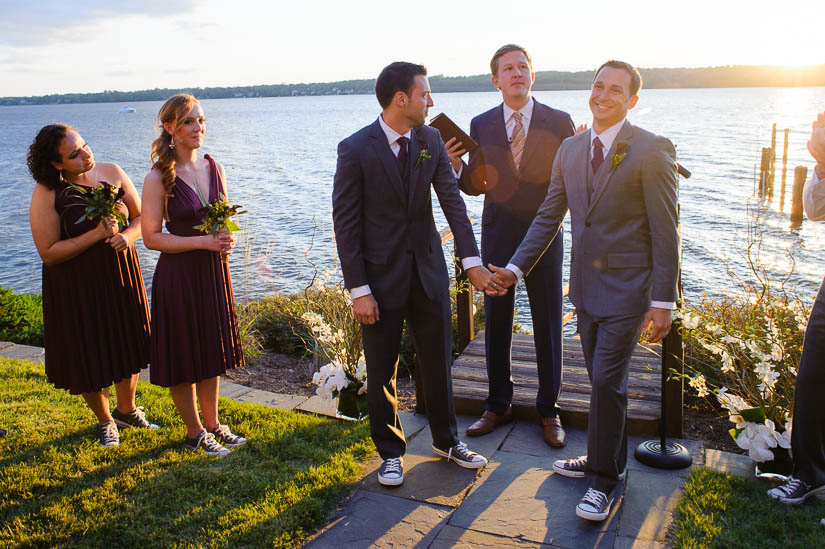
(41, 23)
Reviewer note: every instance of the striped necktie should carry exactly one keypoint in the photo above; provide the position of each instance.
(517, 139)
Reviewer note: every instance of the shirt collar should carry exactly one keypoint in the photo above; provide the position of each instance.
(392, 135)
(607, 136)
(526, 112)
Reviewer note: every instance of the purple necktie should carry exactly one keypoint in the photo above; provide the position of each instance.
(598, 155)
(402, 152)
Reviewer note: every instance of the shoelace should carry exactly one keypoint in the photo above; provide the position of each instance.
(790, 487)
(461, 451)
(109, 432)
(210, 443)
(576, 464)
(393, 465)
(224, 432)
(595, 498)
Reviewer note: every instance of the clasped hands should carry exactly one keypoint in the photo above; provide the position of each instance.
(114, 238)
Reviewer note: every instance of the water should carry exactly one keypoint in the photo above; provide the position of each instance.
(280, 154)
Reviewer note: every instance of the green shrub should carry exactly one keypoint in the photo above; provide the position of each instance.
(21, 318)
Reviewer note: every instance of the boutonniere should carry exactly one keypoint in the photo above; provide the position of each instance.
(422, 156)
(618, 156)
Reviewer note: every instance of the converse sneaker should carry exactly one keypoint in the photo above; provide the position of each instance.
(594, 505)
(225, 437)
(107, 433)
(136, 418)
(207, 442)
(391, 472)
(794, 491)
(574, 468)
(463, 456)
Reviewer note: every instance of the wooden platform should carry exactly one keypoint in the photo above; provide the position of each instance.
(644, 384)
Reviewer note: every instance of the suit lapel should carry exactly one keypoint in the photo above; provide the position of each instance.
(538, 119)
(417, 144)
(580, 157)
(603, 177)
(388, 159)
(499, 131)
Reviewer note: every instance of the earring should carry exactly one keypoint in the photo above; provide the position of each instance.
(60, 175)
(172, 143)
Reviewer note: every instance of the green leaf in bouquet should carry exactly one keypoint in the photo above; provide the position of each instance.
(232, 226)
(754, 415)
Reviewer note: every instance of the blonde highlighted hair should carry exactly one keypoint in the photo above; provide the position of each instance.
(172, 112)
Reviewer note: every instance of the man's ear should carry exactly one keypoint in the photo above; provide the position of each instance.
(401, 99)
(494, 80)
(633, 101)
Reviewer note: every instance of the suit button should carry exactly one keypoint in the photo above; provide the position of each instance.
(586, 223)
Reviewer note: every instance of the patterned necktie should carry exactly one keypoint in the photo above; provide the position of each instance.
(402, 152)
(517, 139)
(598, 155)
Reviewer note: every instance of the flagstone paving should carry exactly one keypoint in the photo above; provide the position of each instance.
(517, 501)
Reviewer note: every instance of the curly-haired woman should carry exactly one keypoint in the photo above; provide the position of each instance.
(95, 312)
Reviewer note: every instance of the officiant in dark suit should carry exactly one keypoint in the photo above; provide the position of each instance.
(512, 165)
(619, 183)
(393, 263)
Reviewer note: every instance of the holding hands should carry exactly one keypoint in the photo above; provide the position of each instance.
(502, 280)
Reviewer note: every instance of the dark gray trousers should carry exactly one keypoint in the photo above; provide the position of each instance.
(808, 436)
(430, 324)
(608, 344)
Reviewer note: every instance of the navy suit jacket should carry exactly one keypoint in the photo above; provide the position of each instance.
(512, 199)
(380, 230)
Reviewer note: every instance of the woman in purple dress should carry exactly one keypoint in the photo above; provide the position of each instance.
(95, 312)
(195, 335)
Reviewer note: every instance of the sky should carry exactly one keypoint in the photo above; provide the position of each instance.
(71, 46)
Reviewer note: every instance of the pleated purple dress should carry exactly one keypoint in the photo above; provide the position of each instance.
(95, 311)
(195, 332)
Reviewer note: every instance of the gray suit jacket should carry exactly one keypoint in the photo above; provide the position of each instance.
(626, 238)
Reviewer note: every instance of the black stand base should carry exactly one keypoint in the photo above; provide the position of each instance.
(671, 456)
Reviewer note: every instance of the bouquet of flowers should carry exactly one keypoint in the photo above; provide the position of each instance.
(102, 201)
(217, 216)
(346, 367)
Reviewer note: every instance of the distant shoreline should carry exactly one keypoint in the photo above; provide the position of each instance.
(656, 78)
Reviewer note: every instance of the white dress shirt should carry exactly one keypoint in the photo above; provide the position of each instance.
(607, 137)
(510, 124)
(813, 198)
(395, 147)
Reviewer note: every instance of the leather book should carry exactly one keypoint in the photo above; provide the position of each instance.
(450, 129)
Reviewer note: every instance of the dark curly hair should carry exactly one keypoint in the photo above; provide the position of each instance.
(44, 150)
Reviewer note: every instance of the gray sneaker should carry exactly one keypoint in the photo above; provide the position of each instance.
(205, 441)
(391, 472)
(462, 456)
(136, 418)
(108, 435)
(594, 505)
(794, 491)
(574, 468)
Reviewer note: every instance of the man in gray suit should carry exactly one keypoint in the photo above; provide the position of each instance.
(619, 183)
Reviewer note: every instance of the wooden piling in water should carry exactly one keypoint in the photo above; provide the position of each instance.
(773, 152)
(764, 170)
(800, 174)
(784, 169)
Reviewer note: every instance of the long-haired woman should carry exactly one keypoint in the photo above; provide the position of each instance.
(195, 335)
(95, 312)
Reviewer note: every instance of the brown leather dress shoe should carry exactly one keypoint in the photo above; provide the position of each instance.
(489, 421)
(554, 434)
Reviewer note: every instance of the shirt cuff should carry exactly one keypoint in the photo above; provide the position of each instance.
(360, 291)
(663, 304)
(457, 174)
(470, 262)
(516, 271)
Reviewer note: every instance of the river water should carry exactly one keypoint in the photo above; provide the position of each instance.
(280, 153)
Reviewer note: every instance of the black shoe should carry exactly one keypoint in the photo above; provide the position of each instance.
(794, 491)
(594, 505)
(574, 468)
(462, 455)
(391, 472)
(207, 442)
(225, 437)
(136, 418)
(108, 435)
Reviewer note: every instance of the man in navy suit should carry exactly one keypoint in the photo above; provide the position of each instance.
(518, 140)
(393, 263)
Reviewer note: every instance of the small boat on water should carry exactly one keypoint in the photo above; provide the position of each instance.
(126, 109)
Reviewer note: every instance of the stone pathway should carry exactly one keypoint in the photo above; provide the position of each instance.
(516, 501)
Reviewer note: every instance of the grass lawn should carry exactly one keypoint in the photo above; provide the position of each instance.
(721, 510)
(59, 488)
